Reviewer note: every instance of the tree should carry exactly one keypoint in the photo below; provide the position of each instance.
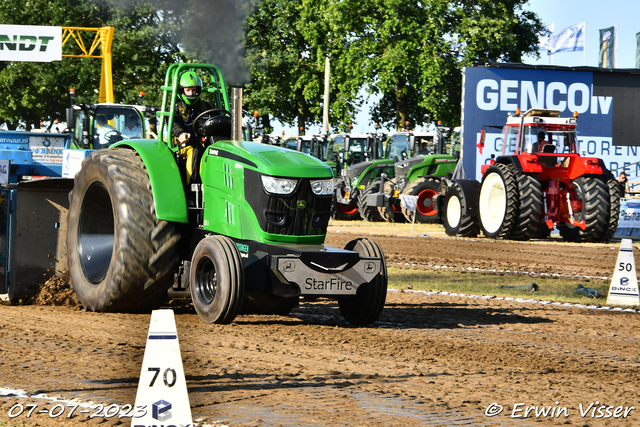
(287, 46)
(413, 52)
(409, 53)
(144, 43)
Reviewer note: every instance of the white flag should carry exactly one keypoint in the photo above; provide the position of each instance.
(570, 39)
(546, 34)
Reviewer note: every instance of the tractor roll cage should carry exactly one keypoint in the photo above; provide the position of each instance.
(218, 89)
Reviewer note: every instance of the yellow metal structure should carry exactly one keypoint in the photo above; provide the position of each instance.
(102, 39)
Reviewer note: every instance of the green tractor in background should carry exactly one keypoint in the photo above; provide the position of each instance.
(350, 149)
(419, 176)
(367, 160)
(331, 150)
(251, 238)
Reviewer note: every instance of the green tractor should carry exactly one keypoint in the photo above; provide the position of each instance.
(366, 160)
(248, 239)
(419, 176)
(349, 149)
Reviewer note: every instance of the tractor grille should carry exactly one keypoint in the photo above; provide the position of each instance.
(301, 213)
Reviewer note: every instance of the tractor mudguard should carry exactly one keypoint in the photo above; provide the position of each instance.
(166, 183)
(470, 192)
(510, 160)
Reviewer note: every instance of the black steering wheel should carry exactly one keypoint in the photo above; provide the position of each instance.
(111, 137)
(206, 115)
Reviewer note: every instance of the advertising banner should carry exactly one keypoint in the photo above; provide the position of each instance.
(491, 93)
(30, 43)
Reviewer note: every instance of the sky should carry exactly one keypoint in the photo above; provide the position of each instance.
(563, 13)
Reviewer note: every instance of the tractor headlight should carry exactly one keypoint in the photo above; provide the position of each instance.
(278, 185)
(354, 181)
(322, 188)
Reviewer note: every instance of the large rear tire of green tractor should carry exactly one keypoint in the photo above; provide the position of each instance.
(425, 189)
(366, 306)
(455, 222)
(369, 213)
(529, 223)
(593, 207)
(121, 257)
(498, 202)
(393, 213)
(216, 280)
(616, 192)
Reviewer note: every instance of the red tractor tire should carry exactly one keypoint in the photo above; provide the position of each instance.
(616, 192)
(530, 220)
(499, 201)
(593, 193)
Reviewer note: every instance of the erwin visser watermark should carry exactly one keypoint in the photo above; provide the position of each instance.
(594, 410)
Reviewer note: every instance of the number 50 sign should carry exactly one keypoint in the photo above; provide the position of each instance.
(624, 284)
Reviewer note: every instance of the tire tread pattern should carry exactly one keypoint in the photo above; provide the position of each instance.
(145, 248)
(531, 199)
(468, 226)
(389, 214)
(616, 192)
(595, 211)
(369, 213)
(507, 172)
(366, 306)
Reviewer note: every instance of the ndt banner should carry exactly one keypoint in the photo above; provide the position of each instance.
(30, 43)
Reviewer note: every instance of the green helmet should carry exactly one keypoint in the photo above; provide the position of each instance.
(190, 79)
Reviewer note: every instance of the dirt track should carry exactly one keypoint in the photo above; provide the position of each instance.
(430, 360)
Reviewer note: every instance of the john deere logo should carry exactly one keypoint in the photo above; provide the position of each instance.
(302, 204)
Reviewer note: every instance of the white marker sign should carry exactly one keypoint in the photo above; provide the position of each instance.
(162, 397)
(624, 284)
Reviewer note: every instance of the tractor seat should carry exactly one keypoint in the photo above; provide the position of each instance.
(549, 148)
(218, 127)
(548, 161)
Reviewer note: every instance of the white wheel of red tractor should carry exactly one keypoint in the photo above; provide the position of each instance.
(455, 222)
(498, 201)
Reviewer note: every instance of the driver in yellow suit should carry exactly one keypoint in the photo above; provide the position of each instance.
(187, 108)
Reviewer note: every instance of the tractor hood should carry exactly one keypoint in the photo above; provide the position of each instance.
(357, 169)
(271, 160)
(402, 167)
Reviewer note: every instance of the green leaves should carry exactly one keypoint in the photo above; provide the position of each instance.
(144, 43)
(409, 53)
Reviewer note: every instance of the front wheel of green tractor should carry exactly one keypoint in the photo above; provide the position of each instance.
(393, 213)
(121, 257)
(366, 306)
(216, 280)
(589, 202)
(425, 189)
(367, 212)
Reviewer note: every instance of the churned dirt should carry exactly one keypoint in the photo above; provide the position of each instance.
(430, 360)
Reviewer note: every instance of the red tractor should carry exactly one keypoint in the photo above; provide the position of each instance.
(539, 182)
